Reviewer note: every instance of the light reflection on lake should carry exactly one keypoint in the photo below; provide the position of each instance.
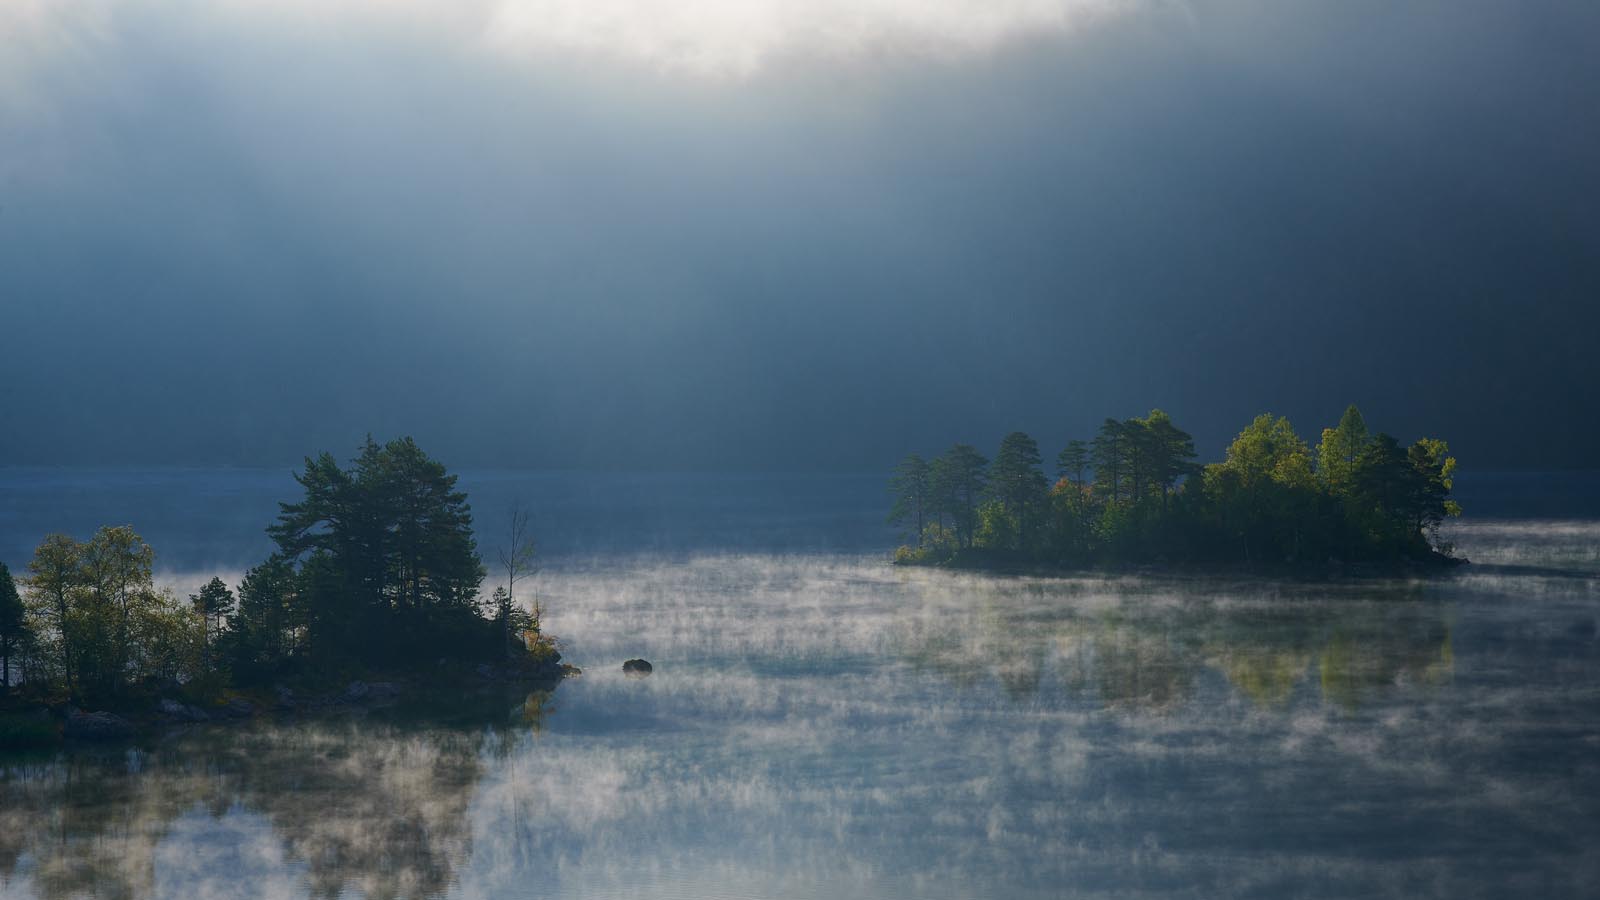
(824, 725)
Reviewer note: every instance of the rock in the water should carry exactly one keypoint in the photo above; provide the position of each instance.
(382, 692)
(182, 712)
(285, 697)
(356, 691)
(241, 708)
(97, 726)
(637, 668)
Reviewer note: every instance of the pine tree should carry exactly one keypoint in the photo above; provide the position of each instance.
(910, 486)
(1170, 452)
(13, 626)
(1073, 460)
(1016, 480)
(394, 550)
(1341, 447)
(213, 604)
(1110, 454)
(958, 479)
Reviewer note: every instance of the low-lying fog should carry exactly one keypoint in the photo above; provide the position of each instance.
(822, 724)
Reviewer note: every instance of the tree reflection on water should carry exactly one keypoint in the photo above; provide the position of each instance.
(375, 807)
(1147, 653)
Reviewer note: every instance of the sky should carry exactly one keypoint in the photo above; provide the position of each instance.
(791, 234)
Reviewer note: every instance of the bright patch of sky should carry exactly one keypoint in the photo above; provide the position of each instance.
(708, 38)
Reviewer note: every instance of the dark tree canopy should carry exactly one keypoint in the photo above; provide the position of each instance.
(385, 547)
(1073, 460)
(911, 486)
(214, 601)
(1018, 485)
(13, 625)
(958, 479)
(376, 567)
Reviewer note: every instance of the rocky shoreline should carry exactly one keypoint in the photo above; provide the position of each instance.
(47, 725)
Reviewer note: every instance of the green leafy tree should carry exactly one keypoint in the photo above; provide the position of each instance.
(1360, 496)
(1269, 450)
(1341, 447)
(100, 620)
(911, 487)
(1017, 482)
(13, 626)
(997, 527)
(1265, 490)
(54, 585)
(1402, 496)
(1435, 478)
(1071, 521)
(118, 575)
(135, 629)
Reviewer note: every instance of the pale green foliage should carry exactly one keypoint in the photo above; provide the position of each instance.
(1364, 498)
(1340, 448)
(998, 528)
(1268, 449)
(101, 623)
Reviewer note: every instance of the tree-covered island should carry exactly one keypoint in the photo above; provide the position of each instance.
(376, 577)
(1134, 495)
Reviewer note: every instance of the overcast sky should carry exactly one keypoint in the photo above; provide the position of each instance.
(791, 234)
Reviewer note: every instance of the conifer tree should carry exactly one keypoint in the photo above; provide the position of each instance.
(911, 486)
(958, 479)
(1073, 460)
(1016, 480)
(1340, 448)
(13, 626)
(213, 603)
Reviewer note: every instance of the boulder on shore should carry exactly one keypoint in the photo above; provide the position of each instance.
(97, 726)
(637, 668)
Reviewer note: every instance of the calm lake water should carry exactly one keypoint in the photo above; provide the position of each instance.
(822, 725)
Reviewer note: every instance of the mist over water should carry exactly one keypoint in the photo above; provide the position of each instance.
(821, 724)
(573, 247)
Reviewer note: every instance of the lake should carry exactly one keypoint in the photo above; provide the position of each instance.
(823, 725)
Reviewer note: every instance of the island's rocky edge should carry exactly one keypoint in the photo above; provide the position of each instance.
(44, 725)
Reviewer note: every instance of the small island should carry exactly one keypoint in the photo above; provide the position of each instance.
(372, 595)
(1134, 496)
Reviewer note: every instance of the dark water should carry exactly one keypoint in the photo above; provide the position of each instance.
(822, 725)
